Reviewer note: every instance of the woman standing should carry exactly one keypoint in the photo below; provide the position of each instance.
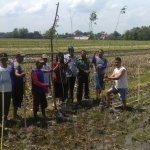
(59, 77)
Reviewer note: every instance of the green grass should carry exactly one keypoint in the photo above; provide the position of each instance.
(42, 45)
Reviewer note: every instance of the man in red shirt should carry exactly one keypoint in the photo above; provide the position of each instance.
(39, 88)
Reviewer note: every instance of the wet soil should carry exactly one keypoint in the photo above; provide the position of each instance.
(82, 127)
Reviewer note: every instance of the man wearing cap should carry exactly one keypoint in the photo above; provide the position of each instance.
(5, 85)
(38, 88)
(17, 76)
(46, 74)
(71, 72)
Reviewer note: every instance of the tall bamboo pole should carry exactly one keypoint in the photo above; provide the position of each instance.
(24, 91)
(2, 117)
(51, 42)
(139, 82)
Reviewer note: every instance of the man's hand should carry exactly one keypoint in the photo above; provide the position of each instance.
(69, 60)
(106, 78)
(87, 71)
(23, 74)
(98, 67)
(47, 85)
(51, 70)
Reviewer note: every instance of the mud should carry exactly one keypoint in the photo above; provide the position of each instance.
(83, 128)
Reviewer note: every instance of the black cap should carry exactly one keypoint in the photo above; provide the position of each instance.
(3, 56)
(70, 48)
(21, 54)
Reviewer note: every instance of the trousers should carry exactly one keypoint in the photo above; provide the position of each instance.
(82, 79)
(7, 99)
(70, 87)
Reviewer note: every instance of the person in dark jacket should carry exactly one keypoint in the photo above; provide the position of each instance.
(17, 76)
(39, 88)
(59, 77)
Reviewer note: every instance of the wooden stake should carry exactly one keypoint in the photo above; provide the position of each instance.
(138, 82)
(24, 94)
(2, 117)
(51, 41)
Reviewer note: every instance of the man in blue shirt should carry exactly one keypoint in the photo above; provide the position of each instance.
(100, 64)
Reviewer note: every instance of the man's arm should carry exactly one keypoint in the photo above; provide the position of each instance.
(79, 67)
(55, 66)
(106, 78)
(16, 66)
(93, 60)
(46, 71)
(19, 75)
(120, 74)
(104, 66)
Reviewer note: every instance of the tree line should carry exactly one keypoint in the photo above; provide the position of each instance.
(20, 33)
(136, 33)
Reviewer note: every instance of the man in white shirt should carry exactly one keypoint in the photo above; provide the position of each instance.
(71, 71)
(121, 84)
(5, 85)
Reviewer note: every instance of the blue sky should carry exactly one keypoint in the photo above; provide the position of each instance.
(38, 15)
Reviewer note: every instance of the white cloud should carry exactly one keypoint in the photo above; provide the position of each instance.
(37, 7)
(114, 6)
(9, 9)
(39, 14)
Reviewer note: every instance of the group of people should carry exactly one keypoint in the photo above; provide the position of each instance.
(63, 74)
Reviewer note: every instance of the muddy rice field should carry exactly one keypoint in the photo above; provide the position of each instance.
(88, 127)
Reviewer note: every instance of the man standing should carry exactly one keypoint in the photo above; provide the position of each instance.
(71, 71)
(5, 81)
(100, 64)
(83, 65)
(17, 82)
(45, 68)
(38, 88)
(121, 84)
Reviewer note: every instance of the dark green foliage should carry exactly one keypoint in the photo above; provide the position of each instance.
(137, 33)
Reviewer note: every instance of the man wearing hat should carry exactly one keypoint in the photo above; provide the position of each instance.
(45, 68)
(71, 71)
(17, 76)
(38, 88)
(5, 85)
